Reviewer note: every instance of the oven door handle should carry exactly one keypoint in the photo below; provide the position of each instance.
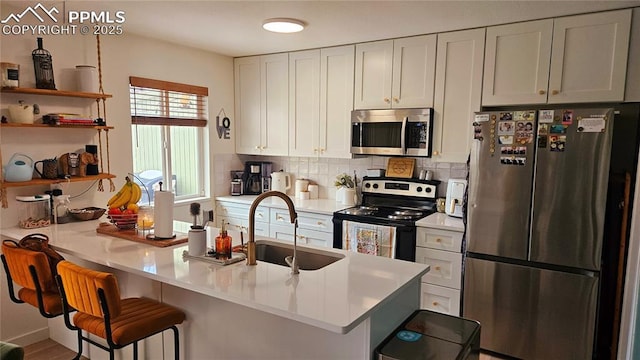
(403, 131)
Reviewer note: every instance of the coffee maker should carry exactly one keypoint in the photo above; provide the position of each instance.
(256, 177)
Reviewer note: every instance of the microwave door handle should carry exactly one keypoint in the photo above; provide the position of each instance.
(404, 134)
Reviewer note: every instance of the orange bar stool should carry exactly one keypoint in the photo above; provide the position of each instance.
(30, 270)
(100, 310)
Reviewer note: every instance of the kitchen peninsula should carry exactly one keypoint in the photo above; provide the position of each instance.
(341, 311)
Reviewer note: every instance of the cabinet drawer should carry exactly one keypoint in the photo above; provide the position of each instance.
(439, 239)
(446, 267)
(306, 237)
(441, 299)
(310, 221)
(241, 211)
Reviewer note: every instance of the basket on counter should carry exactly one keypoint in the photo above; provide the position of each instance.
(88, 213)
(124, 221)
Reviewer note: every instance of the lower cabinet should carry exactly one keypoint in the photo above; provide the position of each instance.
(313, 229)
(442, 251)
(236, 217)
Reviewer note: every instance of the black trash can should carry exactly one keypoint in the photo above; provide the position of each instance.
(431, 335)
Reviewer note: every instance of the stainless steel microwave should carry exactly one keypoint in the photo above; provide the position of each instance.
(392, 132)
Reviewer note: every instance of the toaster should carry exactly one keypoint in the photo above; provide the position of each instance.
(455, 196)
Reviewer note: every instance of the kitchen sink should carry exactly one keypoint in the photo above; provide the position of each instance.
(308, 259)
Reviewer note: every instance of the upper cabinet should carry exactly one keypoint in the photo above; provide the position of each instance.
(395, 73)
(458, 88)
(570, 59)
(262, 98)
(320, 102)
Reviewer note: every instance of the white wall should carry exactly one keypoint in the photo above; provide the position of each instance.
(122, 56)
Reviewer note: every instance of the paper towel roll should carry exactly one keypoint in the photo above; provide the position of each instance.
(313, 191)
(163, 214)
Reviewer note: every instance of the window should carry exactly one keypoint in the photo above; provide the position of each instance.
(168, 121)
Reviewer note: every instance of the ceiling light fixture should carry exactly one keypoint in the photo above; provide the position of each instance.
(283, 25)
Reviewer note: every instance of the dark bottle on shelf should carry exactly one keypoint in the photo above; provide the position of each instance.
(43, 66)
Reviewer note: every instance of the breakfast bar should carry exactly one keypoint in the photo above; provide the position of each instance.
(340, 311)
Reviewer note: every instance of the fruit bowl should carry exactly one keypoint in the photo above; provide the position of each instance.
(124, 221)
(88, 213)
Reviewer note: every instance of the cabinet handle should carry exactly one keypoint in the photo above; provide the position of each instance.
(438, 240)
(320, 223)
(259, 215)
(279, 218)
(437, 268)
(396, 100)
(315, 150)
(435, 152)
(321, 150)
(257, 147)
(541, 92)
(435, 303)
(555, 92)
(387, 100)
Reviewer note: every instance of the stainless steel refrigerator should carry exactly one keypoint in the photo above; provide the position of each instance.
(536, 211)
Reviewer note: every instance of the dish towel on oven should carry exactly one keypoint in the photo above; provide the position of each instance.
(369, 239)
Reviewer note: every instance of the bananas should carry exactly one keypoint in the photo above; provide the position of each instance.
(130, 193)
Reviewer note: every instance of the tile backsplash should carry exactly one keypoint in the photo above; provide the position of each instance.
(323, 171)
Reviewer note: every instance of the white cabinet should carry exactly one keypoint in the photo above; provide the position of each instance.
(458, 90)
(632, 92)
(442, 251)
(579, 58)
(395, 73)
(313, 228)
(236, 217)
(320, 102)
(262, 100)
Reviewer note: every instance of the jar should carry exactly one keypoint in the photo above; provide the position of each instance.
(145, 217)
(10, 75)
(87, 78)
(34, 211)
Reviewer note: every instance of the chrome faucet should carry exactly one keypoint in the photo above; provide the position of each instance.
(251, 245)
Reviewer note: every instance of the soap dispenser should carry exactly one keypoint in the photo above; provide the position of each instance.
(223, 243)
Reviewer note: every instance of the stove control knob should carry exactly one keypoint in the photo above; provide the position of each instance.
(375, 186)
(428, 190)
(419, 189)
(367, 185)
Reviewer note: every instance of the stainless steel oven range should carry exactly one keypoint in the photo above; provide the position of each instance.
(384, 225)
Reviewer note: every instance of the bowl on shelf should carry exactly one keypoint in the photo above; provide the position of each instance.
(124, 221)
(88, 213)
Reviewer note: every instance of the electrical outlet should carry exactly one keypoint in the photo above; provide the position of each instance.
(209, 215)
(55, 186)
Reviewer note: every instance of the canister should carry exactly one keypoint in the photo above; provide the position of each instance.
(10, 75)
(87, 78)
(34, 211)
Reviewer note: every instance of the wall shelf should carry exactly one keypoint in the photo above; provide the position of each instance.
(16, 125)
(34, 182)
(47, 92)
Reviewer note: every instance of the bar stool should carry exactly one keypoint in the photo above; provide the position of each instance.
(30, 270)
(100, 310)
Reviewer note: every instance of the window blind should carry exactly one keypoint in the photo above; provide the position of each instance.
(157, 102)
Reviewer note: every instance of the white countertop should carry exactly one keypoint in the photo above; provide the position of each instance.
(336, 298)
(322, 206)
(441, 221)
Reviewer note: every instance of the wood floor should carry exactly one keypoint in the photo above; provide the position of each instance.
(48, 350)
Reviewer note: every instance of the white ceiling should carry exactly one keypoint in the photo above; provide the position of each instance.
(234, 28)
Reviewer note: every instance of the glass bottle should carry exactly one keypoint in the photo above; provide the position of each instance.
(223, 244)
(43, 66)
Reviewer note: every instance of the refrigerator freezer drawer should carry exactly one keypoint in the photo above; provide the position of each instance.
(446, 267)
(531, 313)
(440, 299)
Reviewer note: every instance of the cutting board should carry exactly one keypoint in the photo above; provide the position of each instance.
(134, 235)
(400, 167)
